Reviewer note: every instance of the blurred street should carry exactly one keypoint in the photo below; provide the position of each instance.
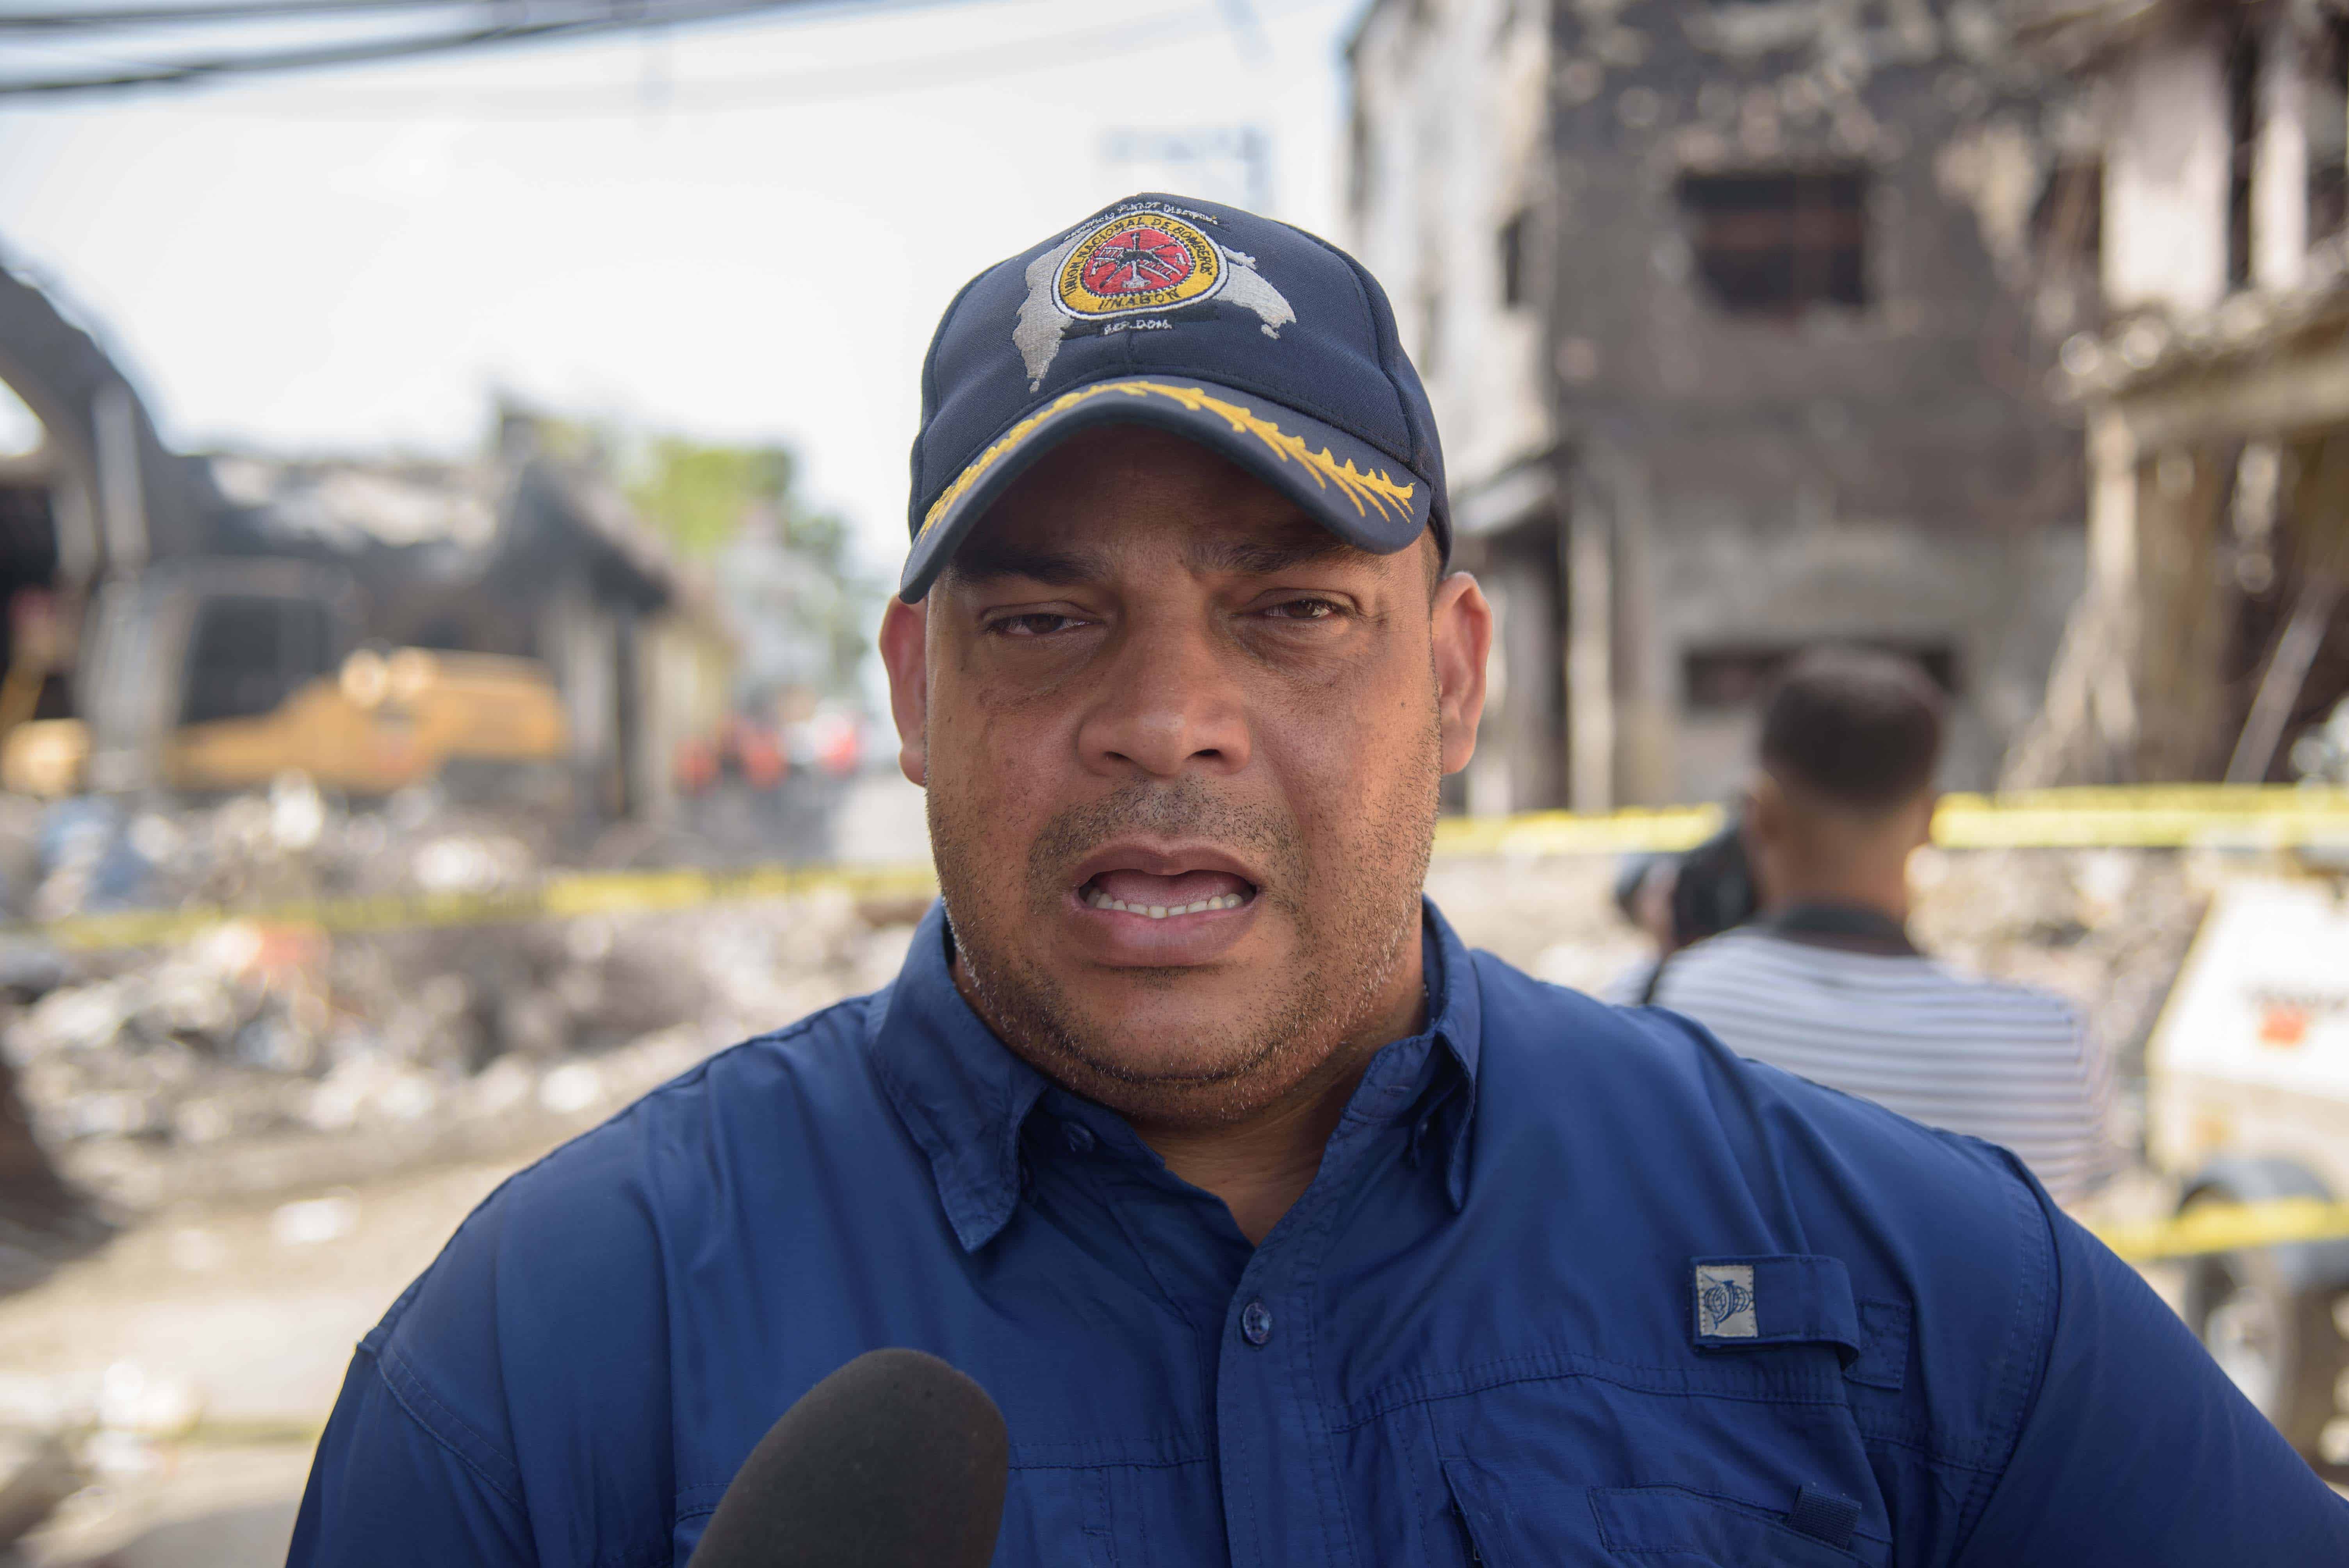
(246, 1310)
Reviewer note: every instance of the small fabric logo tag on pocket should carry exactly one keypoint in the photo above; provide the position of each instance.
(1724, 1301)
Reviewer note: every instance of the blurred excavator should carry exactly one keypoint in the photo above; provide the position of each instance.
(231, 674)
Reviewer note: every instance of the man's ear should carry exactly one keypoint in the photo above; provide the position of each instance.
(1764, 821)
(904, 652)
(1764, 829)
(1462, 628)
(1921, 824)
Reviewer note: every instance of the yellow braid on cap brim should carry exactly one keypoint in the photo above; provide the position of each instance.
(1367, 489)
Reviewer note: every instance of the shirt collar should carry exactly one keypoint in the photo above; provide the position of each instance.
(1852, 926)
(966, 1098)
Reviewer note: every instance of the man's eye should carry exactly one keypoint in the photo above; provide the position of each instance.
(1301, 610)
(1041, 624)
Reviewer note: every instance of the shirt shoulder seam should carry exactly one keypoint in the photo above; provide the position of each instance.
(2026, 1373)
(416, 1399)
(701, 1070)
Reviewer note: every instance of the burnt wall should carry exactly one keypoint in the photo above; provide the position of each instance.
(1804, 298)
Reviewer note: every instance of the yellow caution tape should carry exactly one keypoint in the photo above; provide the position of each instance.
(1576, 833)
(2158, 816)
(256, 1433)
(2165, 816)
(2227, 1228)
(2259, 817)
(559, 897)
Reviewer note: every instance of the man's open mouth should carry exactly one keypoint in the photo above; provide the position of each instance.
(1159, 897)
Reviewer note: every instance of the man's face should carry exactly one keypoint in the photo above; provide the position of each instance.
(1182, 747)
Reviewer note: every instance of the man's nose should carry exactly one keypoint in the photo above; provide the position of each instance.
(1167, 702)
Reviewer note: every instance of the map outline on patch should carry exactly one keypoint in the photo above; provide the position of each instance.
(1047, 314)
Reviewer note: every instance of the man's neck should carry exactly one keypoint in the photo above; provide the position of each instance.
(1262, 1164)
(1878, 890)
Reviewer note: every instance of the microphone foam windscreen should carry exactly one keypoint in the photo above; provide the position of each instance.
(895, 1460)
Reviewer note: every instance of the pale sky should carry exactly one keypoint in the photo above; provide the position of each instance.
(737, 233)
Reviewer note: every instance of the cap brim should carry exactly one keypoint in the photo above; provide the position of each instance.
(1357, 492)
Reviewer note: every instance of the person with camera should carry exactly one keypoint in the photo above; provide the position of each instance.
(1823, 979)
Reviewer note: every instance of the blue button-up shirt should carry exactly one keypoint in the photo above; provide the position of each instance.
(1573, 1285)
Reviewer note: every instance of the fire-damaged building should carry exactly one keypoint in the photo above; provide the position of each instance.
(193, 623)
(2213, 639)
(1738, 320)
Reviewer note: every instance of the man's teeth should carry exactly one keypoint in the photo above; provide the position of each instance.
(1100, 900)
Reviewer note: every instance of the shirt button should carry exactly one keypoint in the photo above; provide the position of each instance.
(1079, 1138)
(1255, 1322)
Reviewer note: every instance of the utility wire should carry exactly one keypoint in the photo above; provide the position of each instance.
(614, 15)
(101, 18)
(739, 94)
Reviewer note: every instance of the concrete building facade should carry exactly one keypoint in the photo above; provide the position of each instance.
(2213, 635)
(1737, 319)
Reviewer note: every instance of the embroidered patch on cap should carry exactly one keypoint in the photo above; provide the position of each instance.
(1142, 260)
(1724, 1301)
(1129, 271)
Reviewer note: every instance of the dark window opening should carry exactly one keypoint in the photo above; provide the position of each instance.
(2242, 133)
(28, 534)
(38, 642)
(2068, 223)
(444, 631)
(2328, 130)
(250, 654)
(1515, 285)
(1724, 680)
(1775, 245)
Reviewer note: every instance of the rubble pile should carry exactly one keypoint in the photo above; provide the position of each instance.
(89, 855)
(394, 1043)
(292, 1053)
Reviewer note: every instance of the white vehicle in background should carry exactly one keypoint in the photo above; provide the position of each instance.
(2248, 1104)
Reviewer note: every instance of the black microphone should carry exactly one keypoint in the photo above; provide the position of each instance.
(895, 1459)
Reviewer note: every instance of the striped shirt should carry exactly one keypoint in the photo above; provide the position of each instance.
(2008, 1063)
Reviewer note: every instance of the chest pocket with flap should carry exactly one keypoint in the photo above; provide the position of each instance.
(1658, 1526)
(1799, 1507)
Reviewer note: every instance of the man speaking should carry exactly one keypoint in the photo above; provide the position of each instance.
(1282, 1229)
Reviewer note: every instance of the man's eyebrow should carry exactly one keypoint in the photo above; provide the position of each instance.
(1254, 557)
(983, 560)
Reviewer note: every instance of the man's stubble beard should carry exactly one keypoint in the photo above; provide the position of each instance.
(1351, 937)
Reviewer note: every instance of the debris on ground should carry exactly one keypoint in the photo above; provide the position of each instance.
(38, 1471)
(394, 1044)
(237, 1056)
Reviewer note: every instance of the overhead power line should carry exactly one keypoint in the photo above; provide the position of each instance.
(483, 24)
(117, 18)
(746, 94)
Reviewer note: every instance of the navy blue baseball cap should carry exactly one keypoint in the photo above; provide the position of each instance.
(1255, 339)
